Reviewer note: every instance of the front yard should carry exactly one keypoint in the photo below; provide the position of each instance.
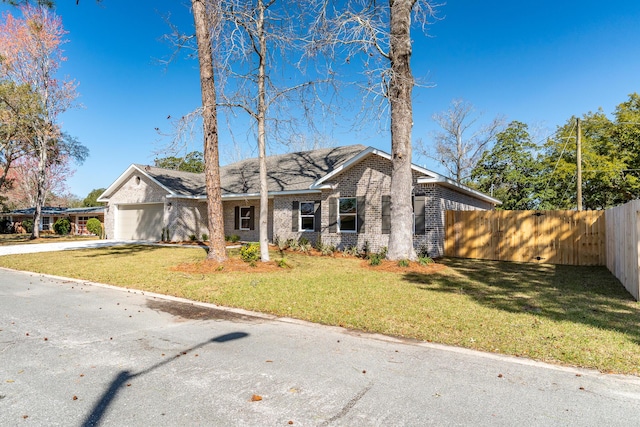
(578, 316)
(19, 239)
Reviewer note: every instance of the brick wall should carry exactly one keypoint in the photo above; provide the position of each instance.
(136, 189)
(246, 235)
(186, 218)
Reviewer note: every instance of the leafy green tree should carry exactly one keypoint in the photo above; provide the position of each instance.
(510, 171)
(92, 198)
(192, 162)
(603, 165)
(626, 134)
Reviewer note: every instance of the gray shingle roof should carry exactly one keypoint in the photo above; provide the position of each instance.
(286, 172)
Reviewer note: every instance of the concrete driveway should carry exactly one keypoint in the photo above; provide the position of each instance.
(80, 354)
(63, 246)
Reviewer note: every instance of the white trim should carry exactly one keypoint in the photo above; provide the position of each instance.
(360, 156)
(248, 218)
(104, 197)
(429, 178)
(355, 216)
(446, 182)
(312, 216)
(247, 196)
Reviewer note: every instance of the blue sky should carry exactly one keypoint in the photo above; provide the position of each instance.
(536, 62)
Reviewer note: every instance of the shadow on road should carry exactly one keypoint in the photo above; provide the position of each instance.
(123, 377)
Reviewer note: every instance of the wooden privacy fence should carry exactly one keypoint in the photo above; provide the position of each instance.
(554, 237)
(623, 245)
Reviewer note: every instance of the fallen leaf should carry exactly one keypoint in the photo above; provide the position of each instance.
(269, 361)
(499, 375)
(290, 422)
(75, 397)
(364, 372)
(46, 339)
(581, 388)
(256, 398)
(25, 416)
(11, 381)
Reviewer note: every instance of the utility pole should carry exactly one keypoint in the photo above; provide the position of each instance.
(579, 165)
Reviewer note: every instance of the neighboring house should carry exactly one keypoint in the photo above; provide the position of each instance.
(78, 217)
(338, 194)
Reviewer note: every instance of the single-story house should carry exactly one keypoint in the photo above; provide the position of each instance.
(339, 194)
(78, 217)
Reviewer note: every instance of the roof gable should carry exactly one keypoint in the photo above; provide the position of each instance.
(306, 171)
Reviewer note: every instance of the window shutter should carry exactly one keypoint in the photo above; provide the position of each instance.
(386, 214)
(295, 207)
(317, 216)
(418, 211)
(236, 218)
(252, 217)
(361, 205)
(333, 215)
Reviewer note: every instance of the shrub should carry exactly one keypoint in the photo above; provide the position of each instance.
(234, 238)
(27, 224)
(250, 253)
(351, 250)
(62, 226)
(327, 249)
(282, 263)
(281, 243)
(205, 237)
(193, 237)
(374, 259)
(293, 244)
(383, 252)
(94, 226)
(403, 263)
(304, 245)
(425, 260)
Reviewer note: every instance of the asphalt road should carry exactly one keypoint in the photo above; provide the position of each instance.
(77, 354)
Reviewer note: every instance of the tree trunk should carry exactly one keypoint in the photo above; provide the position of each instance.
(262, 151)
(400, 89)
(41, 179)
(217, 247)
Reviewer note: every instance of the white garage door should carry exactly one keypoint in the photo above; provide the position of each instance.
(140, 222)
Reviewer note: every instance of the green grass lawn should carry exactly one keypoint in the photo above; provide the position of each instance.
(20, 239)
(579, 316)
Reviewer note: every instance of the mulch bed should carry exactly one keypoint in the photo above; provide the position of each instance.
(235, 264)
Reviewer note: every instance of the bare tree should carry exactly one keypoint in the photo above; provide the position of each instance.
(31, 53)
(253, 39)
(206, 15)
(380, 34)
(462, 140)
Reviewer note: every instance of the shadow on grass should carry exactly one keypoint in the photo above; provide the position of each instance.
(578, 294)
(121, 250)
(123, 377)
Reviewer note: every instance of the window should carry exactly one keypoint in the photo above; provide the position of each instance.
(245, 218)
(307, 216)
(347, 214)
(46, 221)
